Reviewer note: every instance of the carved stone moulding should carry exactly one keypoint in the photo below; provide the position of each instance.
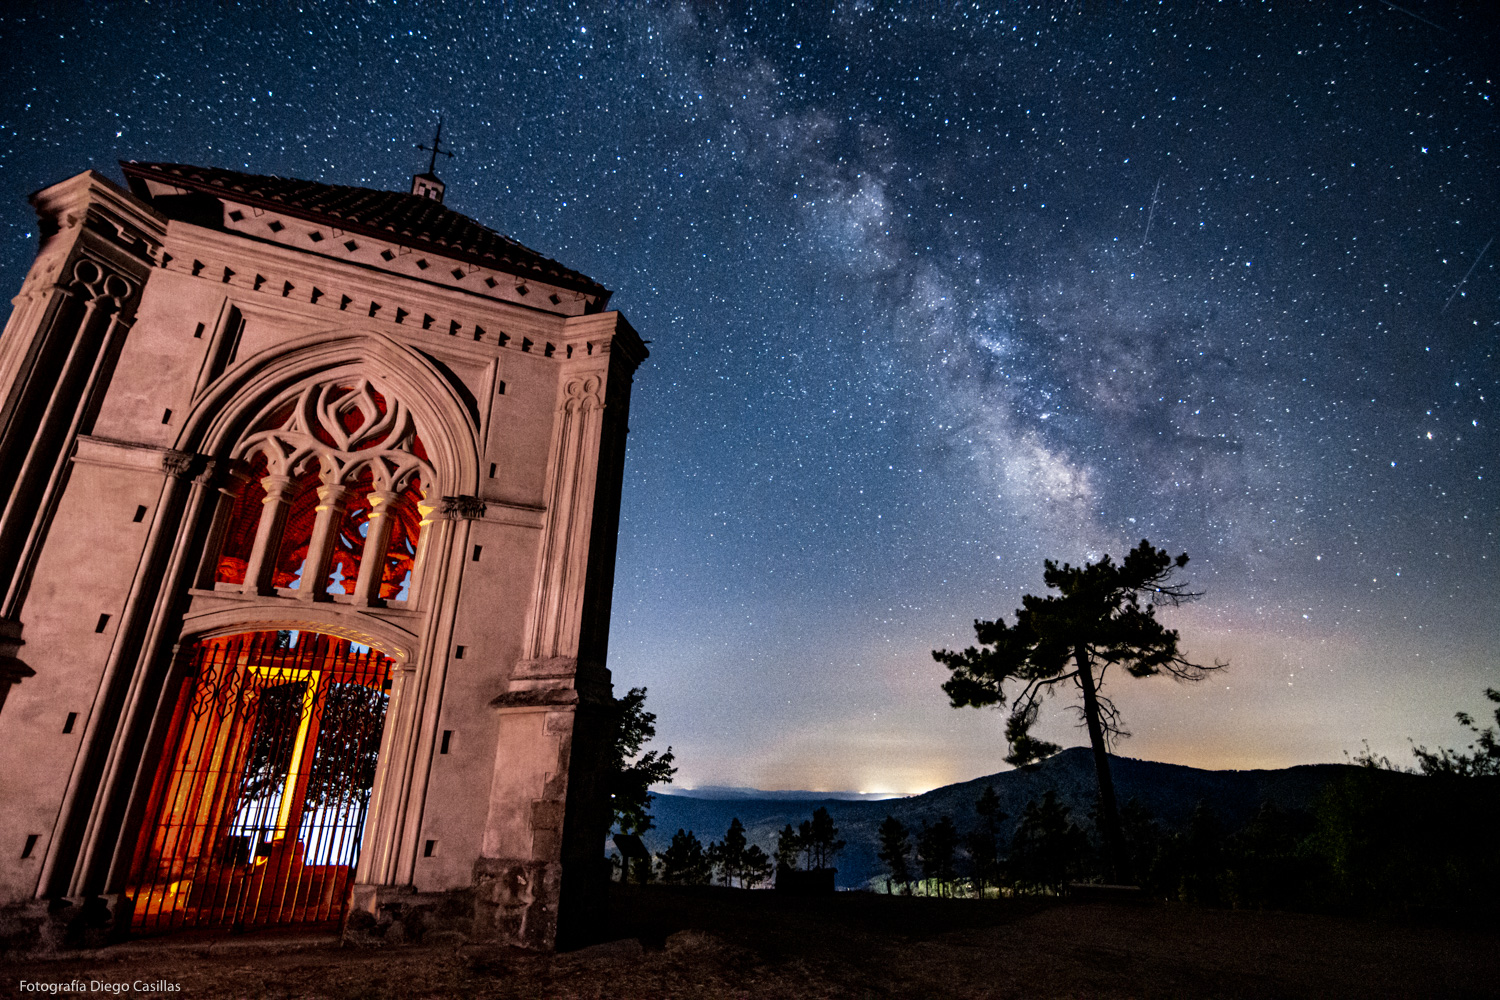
(99, 281)
(462, 507)
(551, 697)
(364, 630)
(177, 463)
(584, 393)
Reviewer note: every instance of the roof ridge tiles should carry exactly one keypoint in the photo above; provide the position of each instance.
(422, 221)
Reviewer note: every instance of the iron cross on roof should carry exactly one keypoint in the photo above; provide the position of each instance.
(436, 148)
(427, 185)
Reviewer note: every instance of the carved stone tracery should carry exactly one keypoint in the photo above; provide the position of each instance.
(345, 427)
(99, 282)
(584, 393)
(343, 476)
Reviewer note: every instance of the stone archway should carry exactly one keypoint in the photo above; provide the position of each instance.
(258, 807)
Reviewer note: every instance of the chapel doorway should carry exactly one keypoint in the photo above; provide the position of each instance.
(258, 808)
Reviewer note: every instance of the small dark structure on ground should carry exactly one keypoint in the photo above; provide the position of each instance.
(817, 882)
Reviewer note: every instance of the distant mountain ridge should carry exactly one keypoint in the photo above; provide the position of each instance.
(738, 793)
(1169, 791)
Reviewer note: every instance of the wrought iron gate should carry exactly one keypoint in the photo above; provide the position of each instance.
(259, 803)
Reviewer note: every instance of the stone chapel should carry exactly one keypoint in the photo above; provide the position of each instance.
(310, 502)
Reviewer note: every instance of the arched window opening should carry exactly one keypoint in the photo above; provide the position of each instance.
(244, 519)
(349, 542)
(348, 471)
(302, 512)
(401, 550)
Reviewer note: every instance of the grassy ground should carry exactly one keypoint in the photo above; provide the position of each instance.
(714, 943)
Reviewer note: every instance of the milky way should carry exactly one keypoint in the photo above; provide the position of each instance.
(936, 292)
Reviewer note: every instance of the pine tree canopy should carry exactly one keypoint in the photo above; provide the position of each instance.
(1103, 611)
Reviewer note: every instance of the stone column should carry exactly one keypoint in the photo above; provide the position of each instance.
(393, 823)
(230, 480)
(450, 541)
(393, 828)
(268, 533)
(377, 853)
(377, 536)
(425, 508)
(557, 603)
(330, 516)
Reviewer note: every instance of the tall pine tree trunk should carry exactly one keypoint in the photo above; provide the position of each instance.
(1109, 811)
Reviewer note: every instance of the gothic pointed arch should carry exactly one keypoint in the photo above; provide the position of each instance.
(250, 391)
(344, 444)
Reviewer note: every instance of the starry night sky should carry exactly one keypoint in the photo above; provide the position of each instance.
(935, 292)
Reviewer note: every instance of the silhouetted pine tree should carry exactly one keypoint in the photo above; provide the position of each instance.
(937, 844)
(982, 842)
(1048, 847)
(756, 867)
(788, 846)
(684, 861)
(728, 856)
(1095, 621)
(895, 851)
(818, 839)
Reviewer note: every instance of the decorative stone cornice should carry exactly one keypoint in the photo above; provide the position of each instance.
(465, 508)
(536, 698)
(134, 229)
(287, 281)
(177, 463)
(224, 473)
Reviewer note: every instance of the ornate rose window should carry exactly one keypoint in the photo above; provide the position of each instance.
(337, 476)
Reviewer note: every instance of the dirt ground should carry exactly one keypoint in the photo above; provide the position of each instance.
(714, 943)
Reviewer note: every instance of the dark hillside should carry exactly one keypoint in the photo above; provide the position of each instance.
(1169, 791)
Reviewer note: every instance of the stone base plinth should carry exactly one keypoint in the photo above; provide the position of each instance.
(515, 902)
(383, 915)
(43, 927)
(511, 902)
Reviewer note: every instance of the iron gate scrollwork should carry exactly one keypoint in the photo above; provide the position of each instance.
(258, 808)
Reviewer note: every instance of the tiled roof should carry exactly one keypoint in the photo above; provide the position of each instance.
(407, 219)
